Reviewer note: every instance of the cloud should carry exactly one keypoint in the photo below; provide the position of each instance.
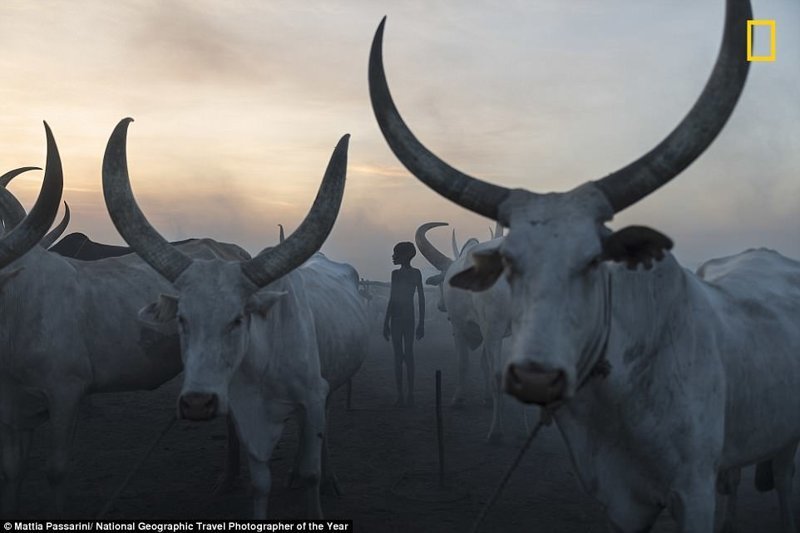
(239, 105)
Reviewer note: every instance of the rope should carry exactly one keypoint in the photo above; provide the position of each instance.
(597, 366)
(113, 498)
(485, 510)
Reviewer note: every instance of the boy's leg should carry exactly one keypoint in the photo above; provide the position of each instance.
(397, 345)
(408, 344)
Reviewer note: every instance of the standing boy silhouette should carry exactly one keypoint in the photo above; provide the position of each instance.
(399, 322)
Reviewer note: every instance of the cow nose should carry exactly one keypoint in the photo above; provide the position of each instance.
(198, 405)
(530, 382)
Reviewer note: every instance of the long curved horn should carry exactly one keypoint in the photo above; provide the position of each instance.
(476, 195)
(470, 242)
(440, 261)
(126, 215)
(498, 230)
(699, 128)
(454, 244)
(308, 238)
(6, 178)
(56, 232)
(281, 235)
(32, 228)
(11, 211)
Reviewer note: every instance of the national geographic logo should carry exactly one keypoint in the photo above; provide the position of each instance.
(751, 25)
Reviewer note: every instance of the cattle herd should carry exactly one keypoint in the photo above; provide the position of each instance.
(663, 383)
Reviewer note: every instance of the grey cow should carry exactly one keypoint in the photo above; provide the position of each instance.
(661, 381)
(69, 328)
(264, 338)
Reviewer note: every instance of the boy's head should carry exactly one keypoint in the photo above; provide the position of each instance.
(403, 253)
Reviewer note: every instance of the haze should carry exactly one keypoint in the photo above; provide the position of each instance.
(238, 105)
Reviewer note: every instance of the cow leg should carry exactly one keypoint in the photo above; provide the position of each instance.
(309, 468)
(292, 482)
(493, 349)
(63, 419)
(14, 447)
(630, 516)
(782, 473)
(260, 424)
(261, 478)
(330, 483)
(230, 474)
(728, 485)
(462, 353)
(693, 507)
(486, 369)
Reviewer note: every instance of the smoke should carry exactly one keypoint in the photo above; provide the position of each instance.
(238, 107)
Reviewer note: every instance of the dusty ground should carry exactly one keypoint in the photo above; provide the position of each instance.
(385, 458)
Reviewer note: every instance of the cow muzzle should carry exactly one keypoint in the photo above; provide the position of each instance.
(531, 383)
(198, 405)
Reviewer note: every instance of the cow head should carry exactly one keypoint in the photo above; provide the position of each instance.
(215, 300)
(556, 252)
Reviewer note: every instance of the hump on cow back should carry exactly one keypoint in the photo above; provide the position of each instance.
(79, 246)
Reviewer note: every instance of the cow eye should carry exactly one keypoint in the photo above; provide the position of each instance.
(236, 323)
(510, 266)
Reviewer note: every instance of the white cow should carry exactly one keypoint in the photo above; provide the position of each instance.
(660, 380)
(262, 338)
(69, 328)
(478, 319)
(376, 298)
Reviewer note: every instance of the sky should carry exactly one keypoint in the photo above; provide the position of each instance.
(238, 106)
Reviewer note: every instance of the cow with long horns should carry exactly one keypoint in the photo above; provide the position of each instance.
(659, 379)
(479, 320)
(264, 338)
(68, 328)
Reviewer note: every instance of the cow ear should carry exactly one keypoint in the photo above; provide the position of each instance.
(261, 302)
(636, 245)
(435, 279)
(161, 311)
(486, 268)
(8, 275)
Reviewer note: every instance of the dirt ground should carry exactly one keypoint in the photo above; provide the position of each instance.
(385, 458)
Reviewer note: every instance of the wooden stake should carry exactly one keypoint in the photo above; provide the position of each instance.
(439, 426)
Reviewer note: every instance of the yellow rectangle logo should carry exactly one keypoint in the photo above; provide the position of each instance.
(771, 25)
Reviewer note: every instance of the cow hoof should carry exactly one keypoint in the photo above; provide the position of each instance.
(225, 484)
(457, 403)
(291, 483)
(495, 438)
(330, 486)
